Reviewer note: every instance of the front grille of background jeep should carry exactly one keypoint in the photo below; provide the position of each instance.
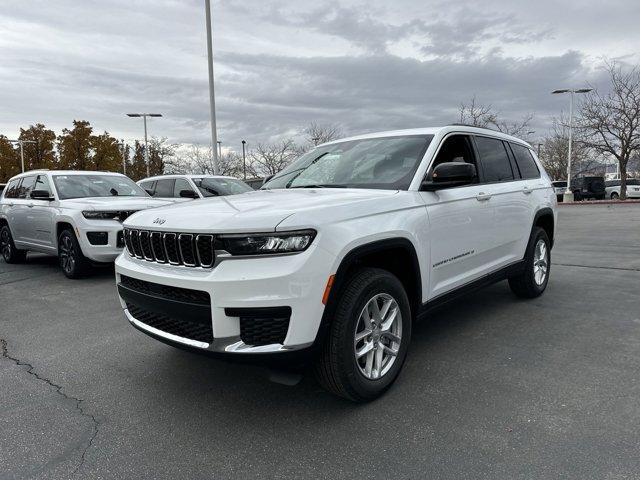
(188, 249)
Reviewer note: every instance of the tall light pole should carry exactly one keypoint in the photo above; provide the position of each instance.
(146, 146)
(244, 160)
(124, 156)
(568, 194)
(21, 143)
(212, 97)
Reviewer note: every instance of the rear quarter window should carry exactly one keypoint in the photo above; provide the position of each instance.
(11, 191)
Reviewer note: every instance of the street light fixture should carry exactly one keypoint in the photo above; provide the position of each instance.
(568, 194)
(21, 143)
(146, 147)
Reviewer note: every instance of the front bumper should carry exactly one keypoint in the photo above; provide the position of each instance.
(288, 281)
(101, 253)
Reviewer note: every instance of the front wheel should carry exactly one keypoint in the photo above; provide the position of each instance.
(9, 251)
(369, 337)
(74, 264)
(615, 196)
(533, 280)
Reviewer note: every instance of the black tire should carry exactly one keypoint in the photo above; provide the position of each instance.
(577, 196)
(524, 285)
(615, 196)
(9, 251)
(73, 263)
(337, 369)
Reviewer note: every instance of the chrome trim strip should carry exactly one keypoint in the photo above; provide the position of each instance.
(160, 333)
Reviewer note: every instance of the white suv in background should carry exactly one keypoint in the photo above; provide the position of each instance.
(187, 187)
(73, 214)
(337, 255)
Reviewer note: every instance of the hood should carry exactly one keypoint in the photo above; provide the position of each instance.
(113, 203)
(258, 211)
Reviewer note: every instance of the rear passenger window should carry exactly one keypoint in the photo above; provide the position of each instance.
(12, 189)
(524, 160)
(494, 159)
(164, 188)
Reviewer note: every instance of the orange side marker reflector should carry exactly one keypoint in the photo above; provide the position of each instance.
(327, 289)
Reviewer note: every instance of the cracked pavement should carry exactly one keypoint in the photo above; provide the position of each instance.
(494, 387)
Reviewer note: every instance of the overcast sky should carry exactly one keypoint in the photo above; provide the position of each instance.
(366, 65)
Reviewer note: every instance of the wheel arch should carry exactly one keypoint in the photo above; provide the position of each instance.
(396, 255)
(545, 219)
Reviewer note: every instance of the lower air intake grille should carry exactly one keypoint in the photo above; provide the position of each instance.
(262, 326)
(166, 291)
(180, 327)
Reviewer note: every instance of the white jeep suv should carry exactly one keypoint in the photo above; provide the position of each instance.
(73, 214)
(337, 255)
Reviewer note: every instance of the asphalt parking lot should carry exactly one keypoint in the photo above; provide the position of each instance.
(494, 387)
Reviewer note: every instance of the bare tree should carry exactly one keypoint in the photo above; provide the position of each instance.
(269, 159)
(554, 152)
(485, 116)
(317, 133)
(198, 159)
(611, 121)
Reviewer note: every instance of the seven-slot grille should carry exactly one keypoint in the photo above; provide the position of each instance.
(189, 249)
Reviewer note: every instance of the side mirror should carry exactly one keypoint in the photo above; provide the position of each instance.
(188, 194)
(41, 195)
(450, 174)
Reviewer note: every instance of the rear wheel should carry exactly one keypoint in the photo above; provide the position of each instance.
(533, 280)
(615, 196)
(9, 251)
(74, 264)
(369, 337)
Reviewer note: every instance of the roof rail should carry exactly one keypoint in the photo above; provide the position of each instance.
(460, 124)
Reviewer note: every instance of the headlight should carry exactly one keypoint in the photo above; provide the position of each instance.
(267, 243)
(92, 215)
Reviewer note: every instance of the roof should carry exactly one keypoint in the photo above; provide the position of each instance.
(434, 131)
(178, 175)
(66, 172)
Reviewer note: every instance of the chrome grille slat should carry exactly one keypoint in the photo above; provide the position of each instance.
(145, 245)
(159, 253)
(185, 249)
(204, 250)
(187, 252)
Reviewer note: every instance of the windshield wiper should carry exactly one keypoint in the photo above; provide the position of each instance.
(320, 185)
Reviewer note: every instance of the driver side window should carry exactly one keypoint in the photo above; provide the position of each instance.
(455, 148)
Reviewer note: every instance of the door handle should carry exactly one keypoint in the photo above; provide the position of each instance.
(483, 197)
(526, 190)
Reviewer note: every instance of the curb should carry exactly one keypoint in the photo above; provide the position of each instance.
(599, 202)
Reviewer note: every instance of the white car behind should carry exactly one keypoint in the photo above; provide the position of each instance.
(75, 215)
(179, 188)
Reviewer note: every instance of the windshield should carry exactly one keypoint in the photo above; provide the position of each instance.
(211, 187)
(385, 163)
(81, 186)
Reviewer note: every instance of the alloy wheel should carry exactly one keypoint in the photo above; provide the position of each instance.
(5, 244)
(540, 262)
(378, 335)
(67, 254)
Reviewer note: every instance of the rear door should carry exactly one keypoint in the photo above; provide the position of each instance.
(22, 228)
(509, 199)
(9, 204)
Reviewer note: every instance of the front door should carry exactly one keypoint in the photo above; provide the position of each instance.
(460, 220)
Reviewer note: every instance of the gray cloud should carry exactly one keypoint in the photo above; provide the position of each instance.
(280, 65)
